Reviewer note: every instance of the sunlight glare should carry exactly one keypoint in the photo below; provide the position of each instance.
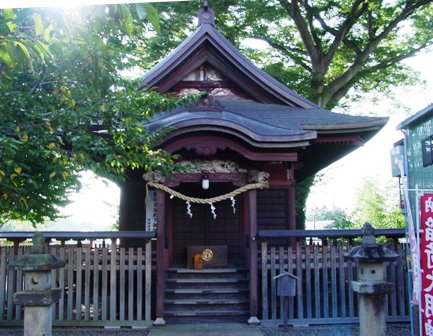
(69, 3)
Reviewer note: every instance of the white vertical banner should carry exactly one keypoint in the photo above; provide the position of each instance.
(426, 261)
(151, 211)
(413, 242)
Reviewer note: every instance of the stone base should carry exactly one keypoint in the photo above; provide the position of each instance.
(38, 321)
(159, 322)
(253, 320)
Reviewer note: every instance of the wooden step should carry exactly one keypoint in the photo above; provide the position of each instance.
(233, 294)
(206, 313)
(206, 274)
(206, 281)
(206, 294)
(206, 291)
(207, 270)
(206, 301)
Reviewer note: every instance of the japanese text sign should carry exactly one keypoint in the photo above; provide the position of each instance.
(426, 262)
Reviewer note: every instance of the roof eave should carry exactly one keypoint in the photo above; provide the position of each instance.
(253, 139)
(369, 125)
(425, 112)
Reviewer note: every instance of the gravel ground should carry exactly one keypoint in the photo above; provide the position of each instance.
(82, 332)
(346, 330)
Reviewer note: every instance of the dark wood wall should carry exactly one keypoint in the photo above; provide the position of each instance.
(132, 205)
(202, 228)
(272, 209)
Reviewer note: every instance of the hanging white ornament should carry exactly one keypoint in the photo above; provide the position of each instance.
(188, 209)
(233, 203)
(212, 209)
(171, 196)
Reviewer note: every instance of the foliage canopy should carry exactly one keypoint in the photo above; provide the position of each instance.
(65, 107)
(322, 49)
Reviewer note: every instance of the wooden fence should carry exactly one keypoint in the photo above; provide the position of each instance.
(323, 286)
(105, 285)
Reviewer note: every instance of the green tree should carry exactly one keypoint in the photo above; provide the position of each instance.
(65, 107)
(322, 48)
(340, 217)
(378, 206)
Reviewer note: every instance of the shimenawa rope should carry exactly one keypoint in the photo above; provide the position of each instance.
(251, 186)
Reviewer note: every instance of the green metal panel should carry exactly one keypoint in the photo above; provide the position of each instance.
(418, 175)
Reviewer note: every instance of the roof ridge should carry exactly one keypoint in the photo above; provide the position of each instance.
(208, 32)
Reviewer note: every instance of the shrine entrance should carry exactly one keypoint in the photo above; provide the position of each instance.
(219, 230)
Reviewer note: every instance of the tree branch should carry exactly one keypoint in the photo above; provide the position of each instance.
(290, 52)
(334, 32)
(292, 8)
(396, 59)
(310, 17)
(361, 58)
(37, 82)
(406, 12)
(342, 91)
(355, 13)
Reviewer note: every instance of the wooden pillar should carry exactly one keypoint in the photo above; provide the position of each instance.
(123, 207)
(160, 259)
(246, 229)
(291, 213)
(169, 232)
(252, 198)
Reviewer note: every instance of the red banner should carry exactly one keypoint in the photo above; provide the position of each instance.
(426, 256)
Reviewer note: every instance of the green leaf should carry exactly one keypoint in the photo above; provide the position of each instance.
(43, 48)
(11, 26)
(141, 11)
(153, 16)
(47, 33)
(39, 26)
(8, 48)
(5, 57)
(25, 53)
(126, 20)
(9, 14)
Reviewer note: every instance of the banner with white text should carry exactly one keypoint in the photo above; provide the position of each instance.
(426, 258)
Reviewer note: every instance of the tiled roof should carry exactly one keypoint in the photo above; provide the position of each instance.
(277, 114)
(267, 122)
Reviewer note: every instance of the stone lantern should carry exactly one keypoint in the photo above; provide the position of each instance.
(371, 286)
(38, 296)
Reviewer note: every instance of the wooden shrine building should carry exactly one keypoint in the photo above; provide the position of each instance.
(248, 131)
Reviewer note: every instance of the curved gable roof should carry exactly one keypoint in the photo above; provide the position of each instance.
(219, 52)
(269, 116)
